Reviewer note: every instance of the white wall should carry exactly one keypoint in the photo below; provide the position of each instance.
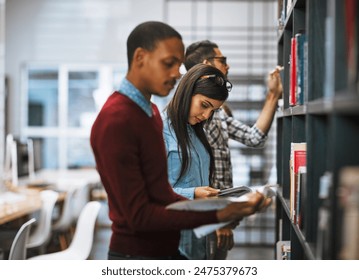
(63, 31)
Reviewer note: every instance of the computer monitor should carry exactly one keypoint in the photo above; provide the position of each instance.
(24, 156)
(28, 157)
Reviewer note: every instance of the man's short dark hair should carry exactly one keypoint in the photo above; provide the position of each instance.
(198, 52)
(146, 35)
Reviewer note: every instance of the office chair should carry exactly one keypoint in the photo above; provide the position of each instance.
(42, 233)
(81, 244)
(18, 247)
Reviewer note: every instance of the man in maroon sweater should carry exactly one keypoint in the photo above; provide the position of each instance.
(128, 145)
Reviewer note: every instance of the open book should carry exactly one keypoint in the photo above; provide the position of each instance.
(234, 192)
(220, 202)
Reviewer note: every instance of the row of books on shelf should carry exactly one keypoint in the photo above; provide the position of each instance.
(298, 68)
(347, 195)
(347, 50)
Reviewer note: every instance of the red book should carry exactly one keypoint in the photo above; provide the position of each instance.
(300, 157)
(293, 73)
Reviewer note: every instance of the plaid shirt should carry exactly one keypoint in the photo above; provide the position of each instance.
(219, 130)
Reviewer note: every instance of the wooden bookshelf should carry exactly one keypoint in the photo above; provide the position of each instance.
(328, 122)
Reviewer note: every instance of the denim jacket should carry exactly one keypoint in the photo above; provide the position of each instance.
(196, 175)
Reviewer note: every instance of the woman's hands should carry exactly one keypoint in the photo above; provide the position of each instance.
(203, 192)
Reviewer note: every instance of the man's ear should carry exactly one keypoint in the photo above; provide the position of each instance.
(138, 56)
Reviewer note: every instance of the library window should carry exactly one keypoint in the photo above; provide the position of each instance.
(61, 103)
(42, 97)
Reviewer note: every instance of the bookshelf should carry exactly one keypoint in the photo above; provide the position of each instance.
(327, 121)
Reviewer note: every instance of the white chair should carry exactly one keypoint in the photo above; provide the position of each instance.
(81, 244)
(42, 233)
(62, 227)
(80, 199)
(18, 246)
(78, 196)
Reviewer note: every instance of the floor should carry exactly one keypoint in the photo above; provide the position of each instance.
(253, 242)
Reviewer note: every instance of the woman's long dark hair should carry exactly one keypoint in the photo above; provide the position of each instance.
(178, 109)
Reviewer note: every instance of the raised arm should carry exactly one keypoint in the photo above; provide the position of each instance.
(275, 90)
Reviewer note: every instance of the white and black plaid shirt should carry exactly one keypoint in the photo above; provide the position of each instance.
(219, 130)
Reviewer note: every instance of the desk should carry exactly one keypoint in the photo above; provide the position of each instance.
(14, 205)
(28, 199)
(63, 179)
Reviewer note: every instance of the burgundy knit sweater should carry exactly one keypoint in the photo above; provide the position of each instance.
(131, 160)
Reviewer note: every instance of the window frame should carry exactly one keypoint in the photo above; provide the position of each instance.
(63, 132)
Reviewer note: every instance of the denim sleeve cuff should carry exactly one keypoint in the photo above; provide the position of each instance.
(186, 192)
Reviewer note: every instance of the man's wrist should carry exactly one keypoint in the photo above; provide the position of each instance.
(273, 96)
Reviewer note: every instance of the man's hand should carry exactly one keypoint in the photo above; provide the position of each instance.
(274, 82)
(237, 210)
(225, 239)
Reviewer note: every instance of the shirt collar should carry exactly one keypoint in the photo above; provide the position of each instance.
(129, 90)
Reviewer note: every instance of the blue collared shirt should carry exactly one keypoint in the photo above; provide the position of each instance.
(129, 90)
(197, 173)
